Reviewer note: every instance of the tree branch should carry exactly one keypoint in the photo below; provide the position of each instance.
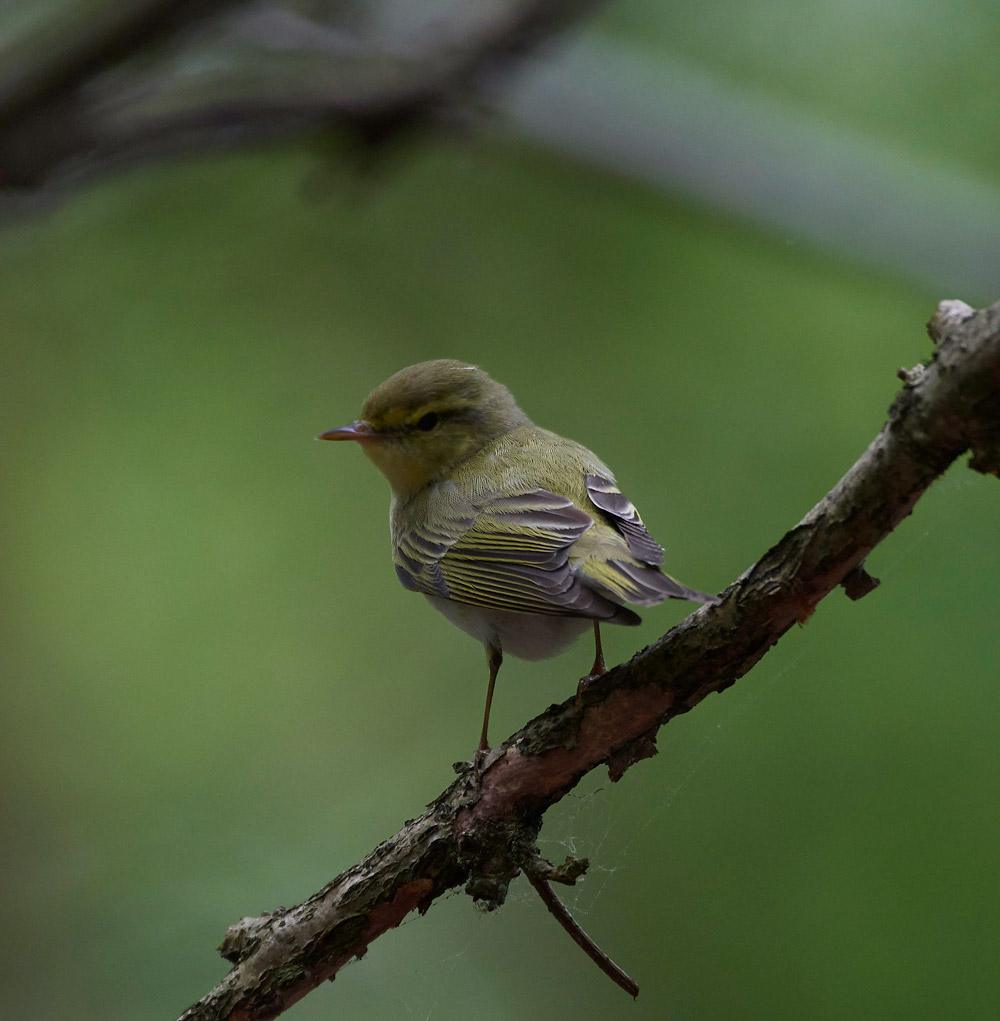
(82, 39)
(65, 118)
(482, 834)
(43, 104)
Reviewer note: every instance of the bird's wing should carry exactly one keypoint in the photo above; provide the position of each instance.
(636, 578)
(609, 498)
(508, 552)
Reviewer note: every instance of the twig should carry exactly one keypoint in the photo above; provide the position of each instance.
(577, 934)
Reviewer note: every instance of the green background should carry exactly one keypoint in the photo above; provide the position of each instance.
(216, 696)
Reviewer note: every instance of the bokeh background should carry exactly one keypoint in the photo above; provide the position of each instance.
(215, 695)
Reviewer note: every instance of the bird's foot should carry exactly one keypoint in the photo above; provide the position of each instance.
(479, 760)
(597, 670)
(585, 683)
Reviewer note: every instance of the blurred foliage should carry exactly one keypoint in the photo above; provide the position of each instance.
(217, 695)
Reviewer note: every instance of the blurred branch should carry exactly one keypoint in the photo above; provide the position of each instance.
(482, 833)
(685, 130)
(99, 89)
(83, 38)
(43, 102)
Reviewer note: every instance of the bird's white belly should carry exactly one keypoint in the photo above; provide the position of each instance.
(524, 635)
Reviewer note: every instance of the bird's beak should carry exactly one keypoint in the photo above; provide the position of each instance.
(359, 431)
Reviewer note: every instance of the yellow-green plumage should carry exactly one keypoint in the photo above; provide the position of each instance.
(519, 536)
(505, 531)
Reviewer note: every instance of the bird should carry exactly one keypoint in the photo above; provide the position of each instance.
(519, 536)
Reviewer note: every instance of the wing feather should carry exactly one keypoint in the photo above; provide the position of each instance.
(508, 552)
(536, 552)
(609, 498)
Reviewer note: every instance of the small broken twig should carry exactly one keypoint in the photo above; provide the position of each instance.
(582, 940)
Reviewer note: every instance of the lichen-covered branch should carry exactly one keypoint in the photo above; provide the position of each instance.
(482, 833)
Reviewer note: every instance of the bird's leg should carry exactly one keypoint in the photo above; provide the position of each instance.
(598, 668)
(494, 657)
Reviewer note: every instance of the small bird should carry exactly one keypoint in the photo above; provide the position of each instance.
(517, 535)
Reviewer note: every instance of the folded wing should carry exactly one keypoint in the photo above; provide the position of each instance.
(635, 579)
(510, 553)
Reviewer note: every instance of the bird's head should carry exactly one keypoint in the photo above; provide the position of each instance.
(427, 418)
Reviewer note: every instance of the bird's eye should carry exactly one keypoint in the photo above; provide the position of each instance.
(428, 421)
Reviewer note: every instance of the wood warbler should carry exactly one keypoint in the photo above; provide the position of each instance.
(517, 535)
